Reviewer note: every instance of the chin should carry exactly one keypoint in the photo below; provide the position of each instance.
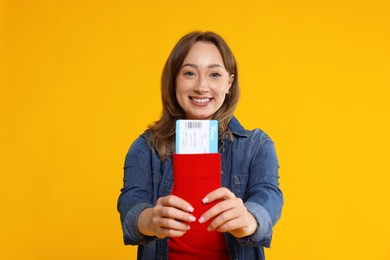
(202, 117)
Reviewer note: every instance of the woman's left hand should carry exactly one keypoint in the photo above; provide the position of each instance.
(229, 215)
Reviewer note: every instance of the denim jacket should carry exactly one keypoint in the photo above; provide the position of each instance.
(249, 170)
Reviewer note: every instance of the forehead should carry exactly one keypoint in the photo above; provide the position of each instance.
(204, 52)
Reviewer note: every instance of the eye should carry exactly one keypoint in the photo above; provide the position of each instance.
(189, 73)
(215, 75)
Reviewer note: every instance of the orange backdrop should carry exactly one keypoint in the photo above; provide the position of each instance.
(80, 81)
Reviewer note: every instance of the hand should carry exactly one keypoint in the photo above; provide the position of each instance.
(166, 218)
(230, 215)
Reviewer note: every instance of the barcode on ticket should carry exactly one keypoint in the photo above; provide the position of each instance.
(193, 124)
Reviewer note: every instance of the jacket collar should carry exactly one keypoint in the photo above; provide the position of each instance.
(236, 128)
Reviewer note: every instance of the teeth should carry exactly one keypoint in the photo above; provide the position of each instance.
(203, 100)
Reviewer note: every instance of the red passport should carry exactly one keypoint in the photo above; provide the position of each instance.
(196, 175)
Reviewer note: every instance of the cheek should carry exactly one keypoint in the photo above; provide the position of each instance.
(223, 89)
(181, 85)
(181, 91)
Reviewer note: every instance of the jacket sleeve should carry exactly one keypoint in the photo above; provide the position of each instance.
(137, 192)
(263, 198)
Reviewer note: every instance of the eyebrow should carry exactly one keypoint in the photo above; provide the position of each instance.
(196, 66)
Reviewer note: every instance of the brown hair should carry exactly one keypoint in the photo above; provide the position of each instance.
(162, 131)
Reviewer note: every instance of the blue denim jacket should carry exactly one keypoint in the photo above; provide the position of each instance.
(249, 170)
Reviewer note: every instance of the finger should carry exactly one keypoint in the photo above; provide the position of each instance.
(219, 194)
(165, 232)
(224, 217)
(174, 201)
(216, 210)
(239, 224)
(173, 213)
(221, 207)
(231, 225)
(168, 223)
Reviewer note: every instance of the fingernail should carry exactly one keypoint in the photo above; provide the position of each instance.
(205, 200)
(190, 209)
(192, 218)
(188, 227)
(201, 220)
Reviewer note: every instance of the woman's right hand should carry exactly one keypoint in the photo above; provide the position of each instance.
(169, 217)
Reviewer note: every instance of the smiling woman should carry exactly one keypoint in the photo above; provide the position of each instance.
(203, 82)
(200, 81)
(182, 56)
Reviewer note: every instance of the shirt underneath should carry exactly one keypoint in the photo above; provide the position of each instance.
(209, 245)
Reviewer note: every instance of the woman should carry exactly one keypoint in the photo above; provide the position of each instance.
(200, 81)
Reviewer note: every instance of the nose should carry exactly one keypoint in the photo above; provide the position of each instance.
(202, 85)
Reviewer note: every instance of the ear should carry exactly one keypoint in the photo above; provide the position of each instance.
(230, 82)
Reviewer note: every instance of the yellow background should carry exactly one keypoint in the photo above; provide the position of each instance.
(80, 81)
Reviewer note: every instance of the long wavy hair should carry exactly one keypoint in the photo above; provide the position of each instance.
(162, 132)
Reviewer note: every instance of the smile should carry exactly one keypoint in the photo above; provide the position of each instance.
(201, 100)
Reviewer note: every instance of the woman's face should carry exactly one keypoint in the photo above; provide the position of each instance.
(202, 82)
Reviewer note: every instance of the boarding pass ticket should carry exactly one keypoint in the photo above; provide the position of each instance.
(196, 136)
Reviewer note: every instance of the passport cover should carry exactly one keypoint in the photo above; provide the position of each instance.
(196, 175)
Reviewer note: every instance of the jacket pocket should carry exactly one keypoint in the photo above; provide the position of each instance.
(240, 183)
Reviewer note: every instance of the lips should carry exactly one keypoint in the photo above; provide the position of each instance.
(201, 100)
